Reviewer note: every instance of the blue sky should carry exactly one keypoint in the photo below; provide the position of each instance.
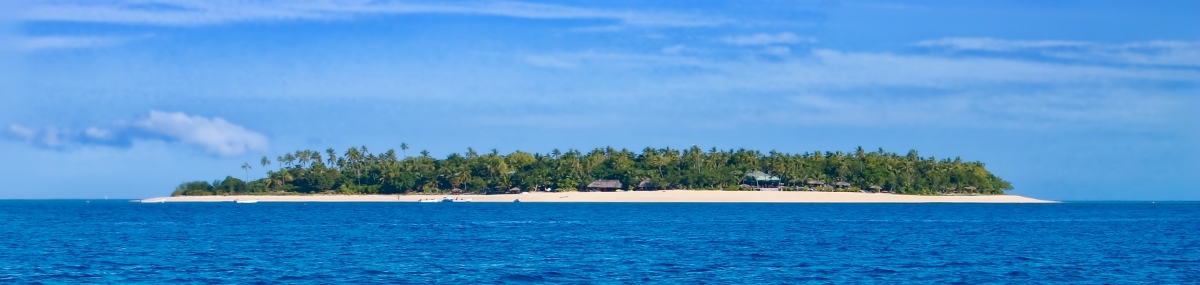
(1068, 100)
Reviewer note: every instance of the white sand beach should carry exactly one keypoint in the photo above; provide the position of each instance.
(640, 196)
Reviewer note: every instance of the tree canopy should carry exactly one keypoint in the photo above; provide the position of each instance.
(358, 171)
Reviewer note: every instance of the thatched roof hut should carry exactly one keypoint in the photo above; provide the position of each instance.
(816, 182)
(875, 187)
(604, 185)
(514, 190)
(842, 184)
(456, 191)
(970, 188)
(645, 185)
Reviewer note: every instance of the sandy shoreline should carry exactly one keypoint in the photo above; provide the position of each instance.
(639, 196)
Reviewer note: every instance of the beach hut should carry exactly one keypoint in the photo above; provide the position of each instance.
(842, 184)
(815, 183)
(604, 185)
(970, 188)
(514, 190)
(761, 181)
(875, 188)
(645, 185)
(456, 191)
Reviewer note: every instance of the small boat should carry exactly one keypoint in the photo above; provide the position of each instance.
(456, 200)
(517, 201)
(148, 201)
(428, 201)
(245, 201)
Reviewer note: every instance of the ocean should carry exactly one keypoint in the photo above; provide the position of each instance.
(77, 241)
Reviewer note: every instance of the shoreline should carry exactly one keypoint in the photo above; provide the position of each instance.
(660, 196)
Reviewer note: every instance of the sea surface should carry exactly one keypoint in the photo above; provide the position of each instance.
(77, 241)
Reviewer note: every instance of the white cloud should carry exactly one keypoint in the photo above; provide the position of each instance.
(65, 42)
(1074, 107)
(195, 12)
(1174, 53)
(20, 132)
(54, 137)
(827, 68)
(675, 49)
(778, 50)
(868, 88)
(767, 39)
(50, 136)
(215, 135)
(98, 133)
(991, 44)
(607, 60)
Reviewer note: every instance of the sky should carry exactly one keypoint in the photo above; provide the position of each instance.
(1068, 100)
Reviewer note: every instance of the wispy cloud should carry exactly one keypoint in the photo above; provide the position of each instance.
(828, 68)
(1072, 107)
(1175, 53)
(825, 86)
(27, 44)
(767, 39)
(195, 12)
(991, 44)
(611, 60)
(213, 135)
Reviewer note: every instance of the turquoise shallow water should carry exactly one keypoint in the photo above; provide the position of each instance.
(72, 242)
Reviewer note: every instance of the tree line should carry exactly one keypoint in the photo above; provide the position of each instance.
(358, 171)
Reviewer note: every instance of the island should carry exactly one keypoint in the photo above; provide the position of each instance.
(609, 175)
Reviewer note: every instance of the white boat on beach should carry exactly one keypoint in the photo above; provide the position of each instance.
(245, 201)
(454, 200)
(148, 201)
(428, 201)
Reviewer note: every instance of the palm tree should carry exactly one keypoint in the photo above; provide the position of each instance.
(404, 149)
(302, 156)
(264, 161)
(332, 156)
(246, 167)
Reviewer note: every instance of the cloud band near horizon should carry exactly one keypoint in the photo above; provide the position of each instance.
(212, 135)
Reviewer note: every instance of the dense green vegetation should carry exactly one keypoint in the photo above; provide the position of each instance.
(357, 171)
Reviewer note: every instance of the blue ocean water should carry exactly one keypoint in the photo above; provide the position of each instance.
(74, 242)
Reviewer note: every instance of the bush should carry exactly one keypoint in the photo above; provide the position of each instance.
(194, 188)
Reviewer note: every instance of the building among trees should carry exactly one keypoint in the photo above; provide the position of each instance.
(761, 181)
(604, 185)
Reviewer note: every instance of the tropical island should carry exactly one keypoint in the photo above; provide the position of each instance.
(356, 171)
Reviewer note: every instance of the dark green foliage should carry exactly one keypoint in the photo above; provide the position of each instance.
(194, 188)
(357, 171)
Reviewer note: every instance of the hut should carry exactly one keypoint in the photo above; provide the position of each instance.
(514, 190)
(604, 185)
(761, 181)
(970, 188)
(842, 184)
(875, 188)
(456, 191)
(815, 184)
(645, 185)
